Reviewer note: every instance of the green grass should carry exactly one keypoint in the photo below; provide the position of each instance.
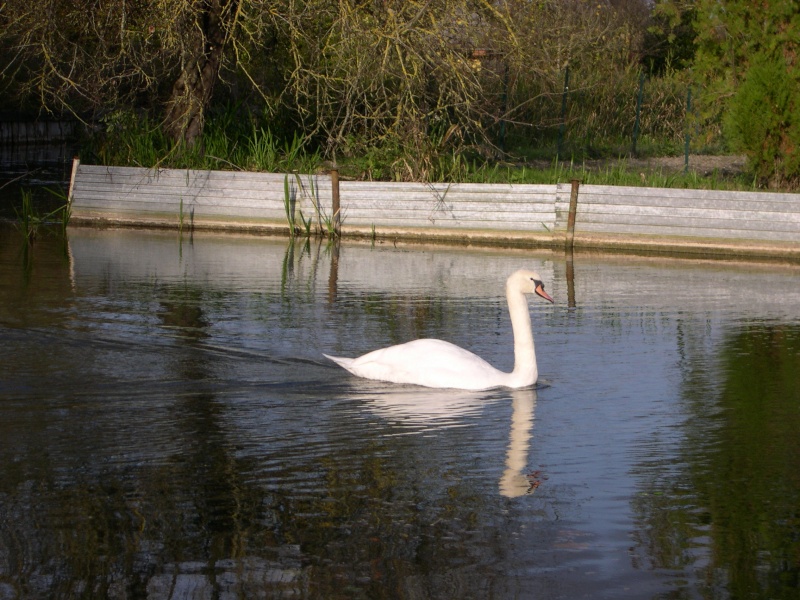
(613, 172)
(229, 142)
(240, 142)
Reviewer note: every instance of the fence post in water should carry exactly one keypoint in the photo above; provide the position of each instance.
(686, 144)
(75, 163)
(638, 112)
(573, 208)
(570, 280)
(563, 124)
(335, 209)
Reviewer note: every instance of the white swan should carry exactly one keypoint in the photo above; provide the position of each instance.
(440, 364)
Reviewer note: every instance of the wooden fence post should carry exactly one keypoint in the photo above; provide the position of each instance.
(75, 163)
(573, 208)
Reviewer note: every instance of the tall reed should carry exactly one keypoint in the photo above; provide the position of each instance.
(30, 218)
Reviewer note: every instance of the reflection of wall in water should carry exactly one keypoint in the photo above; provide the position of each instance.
(37, 144)
(447, 271)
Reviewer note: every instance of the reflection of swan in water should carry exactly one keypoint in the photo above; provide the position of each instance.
(513, 483)
(440, 364)
(422, 410)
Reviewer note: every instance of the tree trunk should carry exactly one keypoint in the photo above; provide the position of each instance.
(192, 91)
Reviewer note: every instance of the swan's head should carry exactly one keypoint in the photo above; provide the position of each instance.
(527, 282)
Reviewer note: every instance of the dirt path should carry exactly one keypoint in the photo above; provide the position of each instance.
(701, 164)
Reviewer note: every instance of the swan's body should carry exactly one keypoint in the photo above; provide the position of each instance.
(440, 364)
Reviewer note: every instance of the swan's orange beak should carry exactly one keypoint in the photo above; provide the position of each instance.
(540, 291)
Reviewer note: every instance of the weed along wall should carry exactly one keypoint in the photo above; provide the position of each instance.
(556, 216)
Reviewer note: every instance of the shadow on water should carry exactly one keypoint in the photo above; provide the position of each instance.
(168, 428)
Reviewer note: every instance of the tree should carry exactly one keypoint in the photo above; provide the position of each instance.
(208, 28)
(410, 77)
(72, 57)
(392, 73)
(748, 62)
(669, 43)
(764, 122)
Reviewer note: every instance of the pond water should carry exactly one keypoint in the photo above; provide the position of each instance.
(169, 428)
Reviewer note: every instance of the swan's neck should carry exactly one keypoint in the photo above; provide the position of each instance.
(525, 369)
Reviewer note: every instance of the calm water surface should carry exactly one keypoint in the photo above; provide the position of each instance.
(169, 428)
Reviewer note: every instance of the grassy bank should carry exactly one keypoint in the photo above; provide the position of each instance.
(236, 143)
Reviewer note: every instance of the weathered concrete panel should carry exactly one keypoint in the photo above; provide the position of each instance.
(660, 218)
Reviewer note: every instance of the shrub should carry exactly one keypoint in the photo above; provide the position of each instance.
(764, 124)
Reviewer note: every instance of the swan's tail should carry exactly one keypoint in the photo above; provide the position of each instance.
(343, 362)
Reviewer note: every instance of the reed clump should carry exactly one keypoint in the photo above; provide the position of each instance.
(31, 217)
(319, 222)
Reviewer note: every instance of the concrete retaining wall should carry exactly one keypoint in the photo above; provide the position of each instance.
(701, 221)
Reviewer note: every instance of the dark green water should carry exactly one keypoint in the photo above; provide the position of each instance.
(169, 429)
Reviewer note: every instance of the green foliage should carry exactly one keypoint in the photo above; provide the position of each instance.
(232, 139)
(263, 150)
(235, 140)
(400, 79)
(399, 91)
(763, 121)
(746, 61)
(600, 115)
(669, 42)
(129, 138)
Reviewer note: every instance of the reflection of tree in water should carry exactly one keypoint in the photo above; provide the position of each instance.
(732, 509)
(217, 511)
(148, 530)
(754, 492)
(208, 515)
(209, 522)
(189, 525)
(36, 276)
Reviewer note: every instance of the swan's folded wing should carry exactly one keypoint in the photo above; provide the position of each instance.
(433, 363)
